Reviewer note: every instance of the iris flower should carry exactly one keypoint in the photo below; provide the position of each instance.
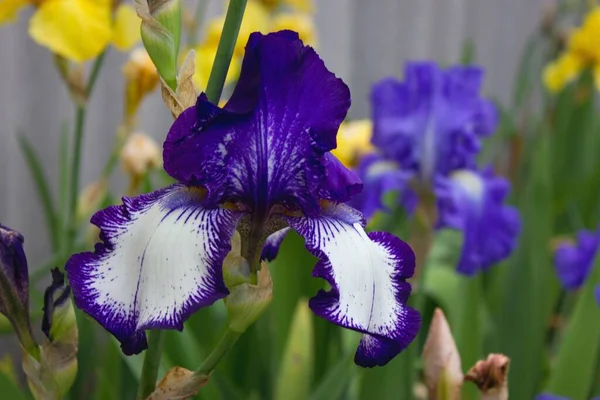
(582, 52)
(77, 29)
(432, 122)
(259, 164)
(574, 261)
(473, 202)
(381, 176)
(547, 396)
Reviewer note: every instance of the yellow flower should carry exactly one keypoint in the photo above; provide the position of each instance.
(582, 52)
(256, 19)
(353, 141)
(584, 40)
(299, 22)
(205, 56)
(562, 71)
(77, 29)
(299, 5)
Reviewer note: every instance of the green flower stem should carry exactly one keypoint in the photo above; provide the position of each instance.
(80, 117)
(231, 29)
(156, 341)
(226, 343)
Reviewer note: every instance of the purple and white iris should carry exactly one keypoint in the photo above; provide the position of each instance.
(473, 202)
(258, 165)
(574, 261)
(431, 123)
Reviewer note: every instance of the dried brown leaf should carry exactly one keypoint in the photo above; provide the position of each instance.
(178, 384)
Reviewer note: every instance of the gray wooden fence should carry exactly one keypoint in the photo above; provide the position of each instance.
(360, 40)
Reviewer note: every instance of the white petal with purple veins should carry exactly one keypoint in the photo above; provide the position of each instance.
(160, 261)
(367, 273)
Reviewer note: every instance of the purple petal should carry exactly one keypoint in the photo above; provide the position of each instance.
(597, 294)
(431, 123)
(14, 274)
(269, 144)
(381, 176)
(272, 244)
(473, 202)
(574, 261)
(367, 274)
(160, 261)
(547, 396)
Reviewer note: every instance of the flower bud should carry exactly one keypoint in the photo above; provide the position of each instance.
(53, 375)
(140, 154)
(178, 383)
(246, 302)
(161, 35)
(443, 373)
(14, 286)
(141, 79)
(491, 377)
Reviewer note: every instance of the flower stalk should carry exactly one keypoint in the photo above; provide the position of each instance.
(231, 29)
(156, 340)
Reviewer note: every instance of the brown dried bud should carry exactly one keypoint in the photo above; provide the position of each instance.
(491, 377)
(185, 95)
(178, 384)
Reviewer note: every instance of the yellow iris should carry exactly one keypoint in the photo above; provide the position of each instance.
(77, 29)
(353, 141)
(582, 52)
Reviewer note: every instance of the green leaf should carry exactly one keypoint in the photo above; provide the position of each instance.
(9, 388)
(468, 327)
(292, 280)
(42, 187)
(109, 372)
(336, 381)
(295, 373)
(572, 375)
(530, 288)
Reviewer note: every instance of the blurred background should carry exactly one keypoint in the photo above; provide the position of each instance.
(361, 41)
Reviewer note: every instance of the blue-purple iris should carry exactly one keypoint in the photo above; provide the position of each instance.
(547, 396)
(14, 275)
(381, 176)
(429, 128)
(432, 122)
(259, 165)
(574, 261)
(473, 202)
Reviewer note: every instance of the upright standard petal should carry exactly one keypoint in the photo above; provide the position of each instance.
(433, 121)
(367, 274)
(380, 177)
(160, 260)
(574, 261)
(473, 202)
(268, 145)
